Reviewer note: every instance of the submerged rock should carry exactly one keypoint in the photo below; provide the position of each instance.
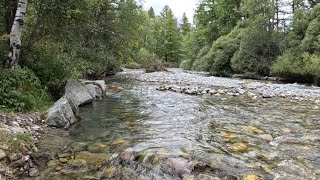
(98, 148)
(239, 147)
(115, 89)
(96, 159)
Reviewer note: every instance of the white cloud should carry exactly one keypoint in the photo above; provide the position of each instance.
(178, 6)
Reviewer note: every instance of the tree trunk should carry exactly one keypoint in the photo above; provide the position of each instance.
(15, 35)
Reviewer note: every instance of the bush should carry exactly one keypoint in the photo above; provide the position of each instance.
(145, 58)
(201, 63)
(21, 91)
(259, 47)
(132, 65)
(186, 64)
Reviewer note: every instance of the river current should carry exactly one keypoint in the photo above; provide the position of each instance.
(143, 133)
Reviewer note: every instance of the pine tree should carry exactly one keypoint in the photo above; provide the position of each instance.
(151, 12)
(185, 26)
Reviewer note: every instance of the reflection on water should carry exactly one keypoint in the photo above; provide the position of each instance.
(235, 135)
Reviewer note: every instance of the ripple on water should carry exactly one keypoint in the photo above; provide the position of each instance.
(232, 136)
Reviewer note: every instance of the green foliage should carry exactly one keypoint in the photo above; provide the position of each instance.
(21, 91)
(145, 58)
(132, 65)
(259, 47)
(301, 60)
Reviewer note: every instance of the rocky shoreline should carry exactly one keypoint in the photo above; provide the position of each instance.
(20, 133)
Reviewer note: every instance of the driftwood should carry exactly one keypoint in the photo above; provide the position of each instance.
(15, 35)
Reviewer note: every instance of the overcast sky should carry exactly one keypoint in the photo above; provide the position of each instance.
(178, 6)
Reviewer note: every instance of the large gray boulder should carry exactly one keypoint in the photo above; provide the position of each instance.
(77, 94)
(100, 83)
(61, 114)
(91, 90)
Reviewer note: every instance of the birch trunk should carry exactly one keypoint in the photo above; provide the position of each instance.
(15, 35)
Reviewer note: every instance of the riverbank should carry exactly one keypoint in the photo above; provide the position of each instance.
(181, 125)
(19, 134)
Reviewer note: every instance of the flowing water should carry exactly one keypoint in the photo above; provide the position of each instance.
(142, 133)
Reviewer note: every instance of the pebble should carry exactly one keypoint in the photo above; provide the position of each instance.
(266, 137)
(33, 172)
(2, 154)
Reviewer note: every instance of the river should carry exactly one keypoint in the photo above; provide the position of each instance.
(144, 133)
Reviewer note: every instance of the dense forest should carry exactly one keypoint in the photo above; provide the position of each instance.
(91, 39)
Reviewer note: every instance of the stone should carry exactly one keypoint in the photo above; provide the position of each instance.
(266, 137)
(286, 130)
(99, 93)
(317, 101)
(91, 90)
(100, 83)
(15, 156)
(96, 159)
(78, 146)
(5, 130)
(60, 114)
(239, 147)
(206, 177)
(18, 130)
(253, 177)
(77, 93)
(2, 154)
(109, 171)
(77, 162)
(21, 162)
(180, 166)
(33, 172)
(2, 172)
(255, 130)
(115, 89)
(64, 155)
(98, 148)
(53, 163)
(63, 160)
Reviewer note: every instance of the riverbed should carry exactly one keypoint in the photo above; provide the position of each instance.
(153, 129)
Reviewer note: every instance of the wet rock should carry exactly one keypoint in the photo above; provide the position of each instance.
(255, 130)
(60, 114)
(63, 160)
(188, 177)
(126, 156)
(77, 162)
(77, 93)
(78, 146)
(2, 154)
(64, 155)
(180, 166)
(253, 177)
(206, 177)
(290, 169)
(15, 156)
(33, 172)
(98, 148)
(286, 130)
(108, 172)
(266, 137)
(115, 89)
(239, 147)
(96, 159)
(53, 163)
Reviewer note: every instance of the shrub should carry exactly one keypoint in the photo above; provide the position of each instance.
(21, 91)
(145, 58)
(132, 65)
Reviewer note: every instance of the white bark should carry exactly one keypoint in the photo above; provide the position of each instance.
(15, 35)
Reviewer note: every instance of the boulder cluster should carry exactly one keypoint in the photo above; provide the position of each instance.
(65, 111)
